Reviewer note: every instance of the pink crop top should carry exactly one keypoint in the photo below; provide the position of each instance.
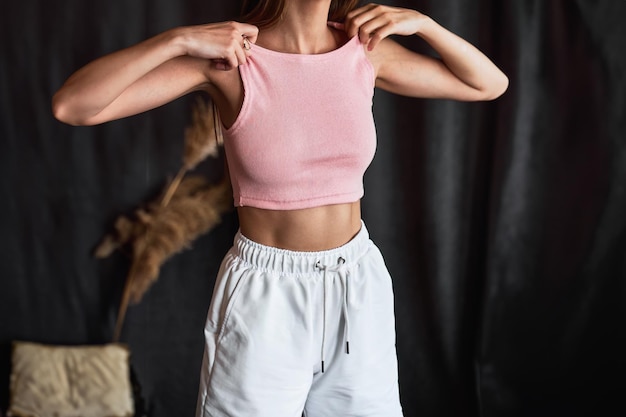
(305, 134)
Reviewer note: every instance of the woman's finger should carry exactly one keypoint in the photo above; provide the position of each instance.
(337, 25)
(378, 35)
(221, 64)
(356, 18)
(375, 30)
(240, 54)
(249, 31)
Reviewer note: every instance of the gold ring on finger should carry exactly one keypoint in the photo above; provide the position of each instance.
(246, 43)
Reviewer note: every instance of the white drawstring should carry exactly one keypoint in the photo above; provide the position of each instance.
(346, 328)
(342, 270)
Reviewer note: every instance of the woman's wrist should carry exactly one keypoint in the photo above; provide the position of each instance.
(179, 40)
(175, 42)
(425, 24)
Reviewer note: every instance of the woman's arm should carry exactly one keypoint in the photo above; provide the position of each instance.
(462, 73)
(151, 73)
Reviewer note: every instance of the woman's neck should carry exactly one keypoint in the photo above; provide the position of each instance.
(302, 30)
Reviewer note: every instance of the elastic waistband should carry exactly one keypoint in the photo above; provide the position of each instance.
(295, 262)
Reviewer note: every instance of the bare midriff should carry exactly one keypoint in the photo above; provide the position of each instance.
(307, 230)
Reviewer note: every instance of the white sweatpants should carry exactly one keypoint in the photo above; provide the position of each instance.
(301, 332)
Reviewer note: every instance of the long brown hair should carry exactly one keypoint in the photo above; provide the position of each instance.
(265, 13)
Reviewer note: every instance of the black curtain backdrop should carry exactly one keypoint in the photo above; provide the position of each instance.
(502, 223)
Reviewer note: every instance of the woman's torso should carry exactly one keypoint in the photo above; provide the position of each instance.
(312, 229)
(308, 229)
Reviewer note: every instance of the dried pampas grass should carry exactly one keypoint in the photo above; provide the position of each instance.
(204, 135)
(188, 208)
(171, 229)
(202, 139)
(128, 229)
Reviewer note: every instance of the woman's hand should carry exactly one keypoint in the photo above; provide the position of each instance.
(226, 44)
(375, 22)
(461, 72)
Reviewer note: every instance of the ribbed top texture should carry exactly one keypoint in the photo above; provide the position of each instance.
(305, 134)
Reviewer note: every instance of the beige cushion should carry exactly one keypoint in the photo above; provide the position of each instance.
(58, 381)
